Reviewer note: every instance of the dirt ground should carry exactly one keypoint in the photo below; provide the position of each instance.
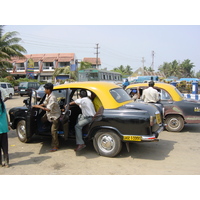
(174, 154)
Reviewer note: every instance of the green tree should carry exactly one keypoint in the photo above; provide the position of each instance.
(9, 47)
(170, 69)
(125, 71)
(85, 65)
(186, 69)
(180, 70)
(65, 70)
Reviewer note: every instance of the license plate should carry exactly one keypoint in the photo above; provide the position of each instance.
(158, 119)
(132, 138)
(22, 90)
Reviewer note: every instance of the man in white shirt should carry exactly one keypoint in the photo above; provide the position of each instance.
(150, 95)
(85, 118)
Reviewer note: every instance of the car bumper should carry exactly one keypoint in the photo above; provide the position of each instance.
(143, 138)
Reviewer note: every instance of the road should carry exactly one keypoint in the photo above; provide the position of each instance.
(174, 154)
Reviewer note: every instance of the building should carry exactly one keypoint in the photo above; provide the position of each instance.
(44, 65)
(93, 61)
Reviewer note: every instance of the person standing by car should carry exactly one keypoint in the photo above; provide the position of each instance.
(4, 128)
(125, 84)
(85, 118)
(150, 95)
(53, 113)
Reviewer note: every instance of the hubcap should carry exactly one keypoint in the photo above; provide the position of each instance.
(174, 123)
(21, 130)
(106, 143)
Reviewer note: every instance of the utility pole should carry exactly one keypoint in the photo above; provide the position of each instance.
(143, 60)
(152, 65)
(97, 53)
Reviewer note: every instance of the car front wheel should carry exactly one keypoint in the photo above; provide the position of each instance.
(21, 131)
(107, 143)
(174, 123)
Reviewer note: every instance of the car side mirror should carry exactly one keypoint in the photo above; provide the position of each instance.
(26, 101)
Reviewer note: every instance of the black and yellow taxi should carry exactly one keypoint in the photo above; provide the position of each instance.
(178, 111)
(118, 120)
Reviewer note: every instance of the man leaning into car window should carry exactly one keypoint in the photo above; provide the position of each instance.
(53, 113)
(85, 118)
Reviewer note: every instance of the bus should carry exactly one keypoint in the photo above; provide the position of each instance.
(92, 74)
(145, 79)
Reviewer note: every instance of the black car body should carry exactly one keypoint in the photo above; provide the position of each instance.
(129, 122)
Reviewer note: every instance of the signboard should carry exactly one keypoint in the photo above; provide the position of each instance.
(30, 69)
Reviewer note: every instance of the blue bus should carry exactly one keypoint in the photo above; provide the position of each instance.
(145, 79)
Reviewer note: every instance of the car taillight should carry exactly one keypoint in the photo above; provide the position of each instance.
(151, 120)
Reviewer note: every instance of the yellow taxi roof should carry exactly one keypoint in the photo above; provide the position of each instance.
(101, 89)
(169, 88)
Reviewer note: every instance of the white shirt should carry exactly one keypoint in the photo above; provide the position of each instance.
(4, 93)
(87, 106)
(150, 95)
(51, 103)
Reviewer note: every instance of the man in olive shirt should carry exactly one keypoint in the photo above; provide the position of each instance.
(53, 113)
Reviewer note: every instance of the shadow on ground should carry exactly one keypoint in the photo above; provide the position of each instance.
(151, 150)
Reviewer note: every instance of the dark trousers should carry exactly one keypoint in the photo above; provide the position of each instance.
(4, 147)
(54, 129)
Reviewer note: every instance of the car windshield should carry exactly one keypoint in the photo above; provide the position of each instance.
(120, 95)
(41, 88)
(23, 84)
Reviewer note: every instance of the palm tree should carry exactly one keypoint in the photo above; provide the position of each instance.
(125, 71)
(85, 65)
(65, 70)
(9, 47)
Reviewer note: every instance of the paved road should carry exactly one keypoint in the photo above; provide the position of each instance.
(175, 153)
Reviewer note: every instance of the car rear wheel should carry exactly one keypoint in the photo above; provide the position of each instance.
(174, 123)
(10, 96)
(21, 131)
(107, 143)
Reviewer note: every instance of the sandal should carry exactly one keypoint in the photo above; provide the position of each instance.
(54, 149)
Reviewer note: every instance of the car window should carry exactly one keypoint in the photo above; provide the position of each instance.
(164, 95)
(3, 85)
(23, 84)
(41, 88)
(60, 93)
(120, 95)
(9, 86)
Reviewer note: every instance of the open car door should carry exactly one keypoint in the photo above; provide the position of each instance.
(31, 117)
(65, 115)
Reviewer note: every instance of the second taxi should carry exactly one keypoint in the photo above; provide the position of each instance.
(178, 111)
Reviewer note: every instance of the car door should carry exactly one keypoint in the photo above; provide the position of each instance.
(31, 117)
(65, 113)
(167, 101)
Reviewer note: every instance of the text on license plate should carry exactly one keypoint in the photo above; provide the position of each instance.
(132, 138)
(158, 118)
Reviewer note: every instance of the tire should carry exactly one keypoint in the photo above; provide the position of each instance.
(21, 95)
(21, 131)
(10, 96)
(107, 143)
(175, 123)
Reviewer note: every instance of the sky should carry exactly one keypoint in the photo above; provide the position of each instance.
(119, 44)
